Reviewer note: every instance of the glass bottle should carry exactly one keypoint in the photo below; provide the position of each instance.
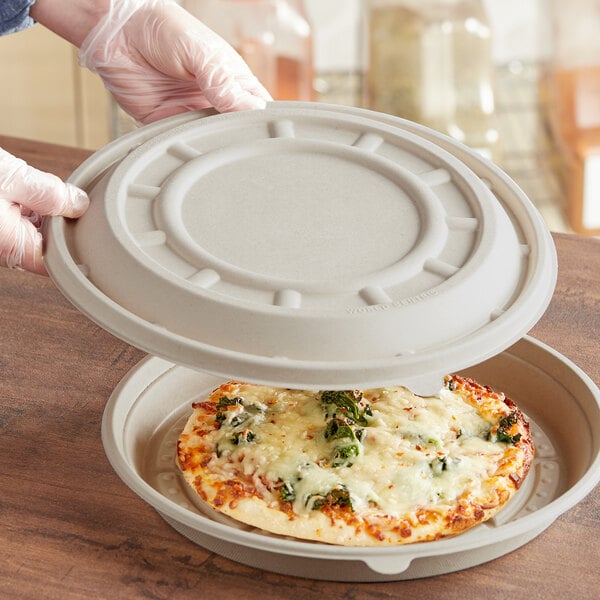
(574, 82)
(430, 61)
(273, 36)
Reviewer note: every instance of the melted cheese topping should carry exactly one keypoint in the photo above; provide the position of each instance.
(413, 451)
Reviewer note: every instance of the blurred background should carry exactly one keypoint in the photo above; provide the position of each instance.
(516, 80)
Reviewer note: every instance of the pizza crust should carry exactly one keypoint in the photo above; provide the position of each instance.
(240, 479)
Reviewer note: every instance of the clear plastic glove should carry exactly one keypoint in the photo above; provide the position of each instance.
(158, 60)
(25, 195)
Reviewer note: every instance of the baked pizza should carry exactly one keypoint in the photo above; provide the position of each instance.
(363, 468)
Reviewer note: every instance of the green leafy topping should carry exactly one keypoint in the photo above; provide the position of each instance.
(509, 439)
(222, 406)
(508, 421)
(439, 465)
(224, 402)
(243, 437)
(338, 429)
(225, 444)
(347, 405)
(504, 426)
(287, 493)
(345, 409)
(337, 496)
(343, 455)
(237, 420)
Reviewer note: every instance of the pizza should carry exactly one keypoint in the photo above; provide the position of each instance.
(357, 467)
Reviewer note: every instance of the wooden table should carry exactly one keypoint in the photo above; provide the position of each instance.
(70, 529)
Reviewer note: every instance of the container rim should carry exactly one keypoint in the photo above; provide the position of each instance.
(539, 519)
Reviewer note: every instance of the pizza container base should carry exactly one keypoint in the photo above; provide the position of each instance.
(148, 408)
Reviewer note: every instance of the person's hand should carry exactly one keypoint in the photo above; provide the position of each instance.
(25, 195)
(158, 60)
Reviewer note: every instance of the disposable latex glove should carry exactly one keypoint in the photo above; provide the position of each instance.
(158, 60)
(25, 195)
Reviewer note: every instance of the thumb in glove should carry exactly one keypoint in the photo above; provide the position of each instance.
(25, 195)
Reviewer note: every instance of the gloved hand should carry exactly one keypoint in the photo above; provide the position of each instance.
(25, 195)
(158, 60)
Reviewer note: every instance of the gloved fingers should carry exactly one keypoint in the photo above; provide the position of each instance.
(220, 72)
(177, 44)
(223, 76)
(34, 218)
(179, 100)
(38, 191)
(20, 240)
(225, 95)
(157, 97)
(228, 93)
(157, 60)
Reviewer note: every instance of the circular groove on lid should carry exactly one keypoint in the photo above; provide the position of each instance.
(353, 244)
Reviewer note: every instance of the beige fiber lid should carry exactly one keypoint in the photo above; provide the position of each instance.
(304, 245)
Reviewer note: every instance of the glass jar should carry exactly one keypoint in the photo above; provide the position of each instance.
(430, 61)
(575, 106)
(576, 64)
(273, 36)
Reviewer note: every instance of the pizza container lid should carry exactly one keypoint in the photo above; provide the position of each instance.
(148, 409)
(304, 245)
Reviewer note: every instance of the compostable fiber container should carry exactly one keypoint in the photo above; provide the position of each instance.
(319, 246)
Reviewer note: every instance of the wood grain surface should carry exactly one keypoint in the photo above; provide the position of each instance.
(70, 529)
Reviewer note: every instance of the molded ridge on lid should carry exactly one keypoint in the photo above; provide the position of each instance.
(304, 245)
